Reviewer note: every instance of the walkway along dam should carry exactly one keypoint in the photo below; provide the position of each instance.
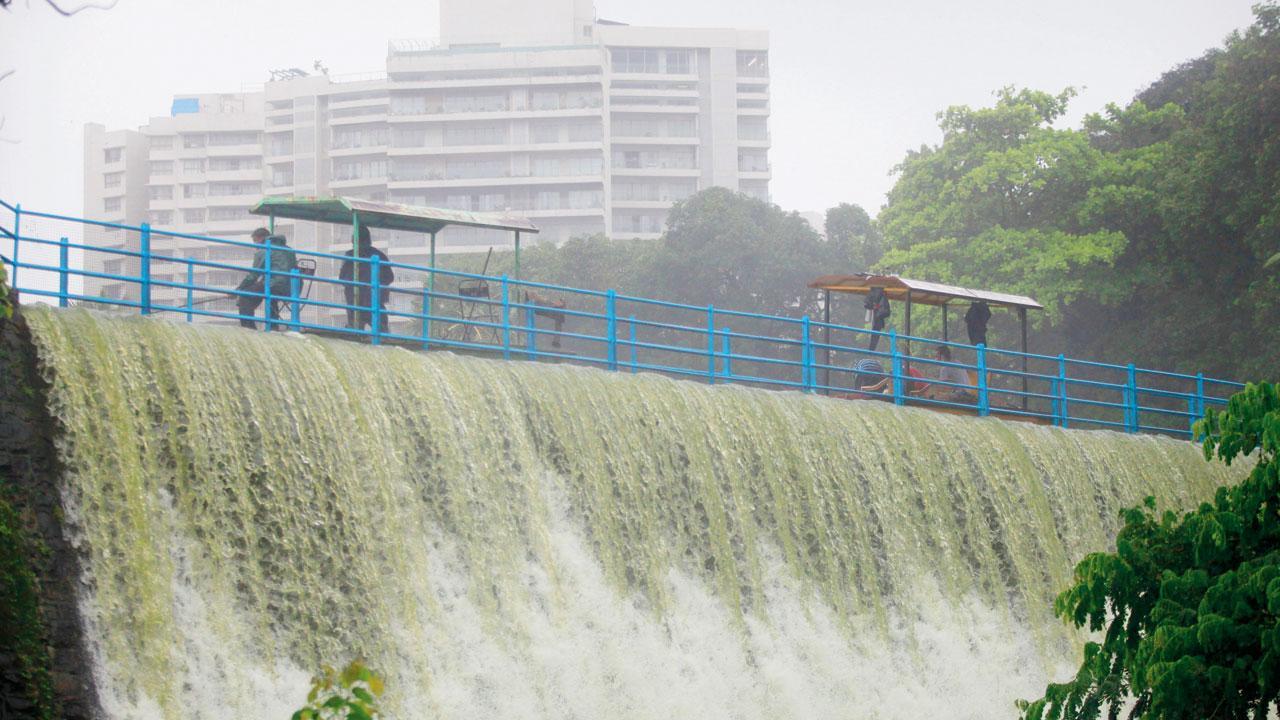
(225, 510)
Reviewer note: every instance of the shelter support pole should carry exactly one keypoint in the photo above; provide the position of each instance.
(944, 324)
(907, 356)
(271, 223)
(1022, 318)
(826, 341)
(430, 305)
(516, 273)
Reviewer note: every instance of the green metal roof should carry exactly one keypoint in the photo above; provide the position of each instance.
(391, 216)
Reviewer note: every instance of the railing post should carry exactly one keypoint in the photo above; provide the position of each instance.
(1064, 415)
(506, 319)
(984, 401)
(295, 304)
(426, 315)
(191, 281)
(1131, 386)
(711, 344)
(895, 368)
(17, 237)
(530, 331)
(266, 285)
(63, 254)
(1198, 412)
(806, 356)
(375, 298)
(635, 351)
(727, 350)
(611, 320)
(144, 247)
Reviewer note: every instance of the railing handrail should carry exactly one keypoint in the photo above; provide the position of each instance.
(713, 340)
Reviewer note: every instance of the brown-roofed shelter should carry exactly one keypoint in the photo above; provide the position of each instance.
(911, 291)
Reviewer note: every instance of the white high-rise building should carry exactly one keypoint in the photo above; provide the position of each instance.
(535, 107)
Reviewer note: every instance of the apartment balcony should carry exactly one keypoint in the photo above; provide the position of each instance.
(357, 103)
(642, 204)
(378, 114)
(489, 182)
(754, 112)
(245, 201)
(653, 109)
(653, 77)
(758, 80)
(516, 82)
(523, 114)
(656, 172)
(564, 212)
(242, 175)
(756, 141)
(357, 182)
(358, 151)
(755, 174)
(438, 150)
(163, 179)
(617, 140)
(253, 150)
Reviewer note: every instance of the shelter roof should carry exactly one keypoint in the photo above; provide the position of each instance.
(922, 291)
(392, 216)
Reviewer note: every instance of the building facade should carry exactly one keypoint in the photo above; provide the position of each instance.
(585, 126)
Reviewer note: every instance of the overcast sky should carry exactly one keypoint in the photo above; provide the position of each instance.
(855, 83)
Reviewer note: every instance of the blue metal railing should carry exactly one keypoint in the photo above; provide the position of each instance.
(428, 308)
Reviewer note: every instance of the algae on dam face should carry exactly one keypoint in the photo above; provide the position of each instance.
(512, 539)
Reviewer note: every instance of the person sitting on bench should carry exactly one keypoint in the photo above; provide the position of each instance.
(958, 385)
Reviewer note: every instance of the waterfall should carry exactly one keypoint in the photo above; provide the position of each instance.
(519, 540)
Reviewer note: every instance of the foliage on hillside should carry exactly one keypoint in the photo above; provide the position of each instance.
(1190, 604)
(1146, 232)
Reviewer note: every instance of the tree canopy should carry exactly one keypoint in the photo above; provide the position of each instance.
(1146, 232)
(1189, 605)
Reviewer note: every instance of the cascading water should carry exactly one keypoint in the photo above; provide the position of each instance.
(511, 540)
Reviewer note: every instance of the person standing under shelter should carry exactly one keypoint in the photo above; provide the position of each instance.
(251, 289)
(357, 288)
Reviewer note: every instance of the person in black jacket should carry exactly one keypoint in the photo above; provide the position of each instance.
(975, 320)
(877, 305)
(360, 296)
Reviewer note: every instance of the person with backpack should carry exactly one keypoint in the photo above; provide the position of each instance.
(251, 291)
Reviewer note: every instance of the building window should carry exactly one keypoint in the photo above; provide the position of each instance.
(160, 192)
(217, 214)
(192, 191)
(193, 215)
(753, 161)
(359, 138)
(409, 105)
(111, 204)
(409, 138)
(752, 128)
(679, 62)
(234, 188)
(193, 141)
(193, 167)
(359, 169)
(475, 102)
(753, 63)
(281, 176)
(112, 155)
(456, 135)
(459, 169)
(160, 217)
(161, 142)
(112, 179)
(635, 60)
(234, 164)
(223, 139)
(161, 167)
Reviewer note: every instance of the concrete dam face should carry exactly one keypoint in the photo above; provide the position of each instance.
(514, 540)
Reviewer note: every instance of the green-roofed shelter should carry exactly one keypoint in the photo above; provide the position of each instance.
(390, 216)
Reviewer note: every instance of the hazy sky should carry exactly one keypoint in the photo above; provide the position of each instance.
(855, 83)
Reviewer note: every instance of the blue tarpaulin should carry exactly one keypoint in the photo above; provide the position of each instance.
(185, 105)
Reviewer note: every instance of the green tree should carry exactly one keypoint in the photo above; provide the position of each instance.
(1189, 606)
(854, 237)
(1000, 203)
(349, 694)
